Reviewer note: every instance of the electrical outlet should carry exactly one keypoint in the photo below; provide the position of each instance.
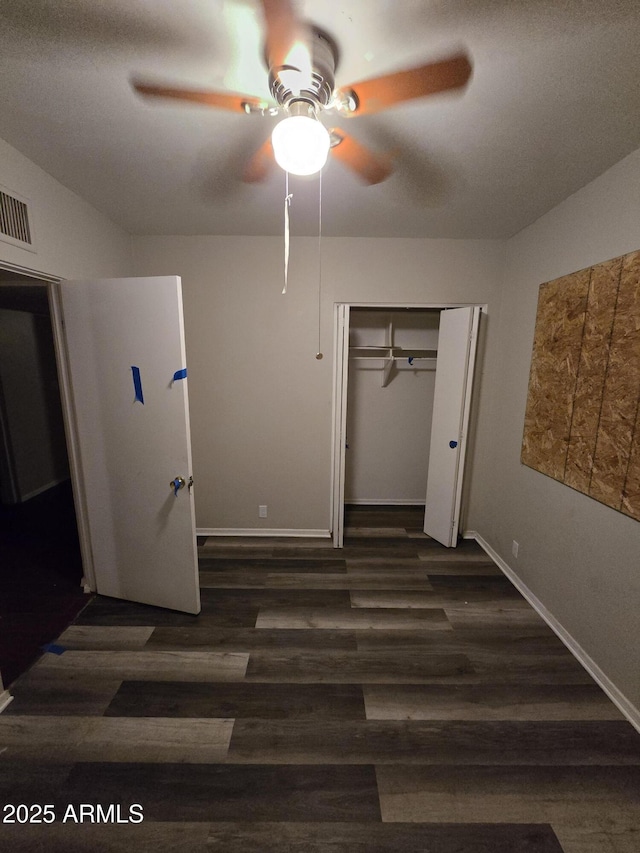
(262, 511)
(514, 549)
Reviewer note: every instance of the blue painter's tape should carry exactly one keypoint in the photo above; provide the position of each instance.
(180, 374)
(137, 384)
(54, 649)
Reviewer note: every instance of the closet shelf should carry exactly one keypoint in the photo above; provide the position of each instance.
(389, 356)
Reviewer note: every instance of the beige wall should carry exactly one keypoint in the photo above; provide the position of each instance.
(73, 239)
(580, 558)
(261, 404)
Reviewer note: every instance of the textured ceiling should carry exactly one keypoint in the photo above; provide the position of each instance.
(554, 101)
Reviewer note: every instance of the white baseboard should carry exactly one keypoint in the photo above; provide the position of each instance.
(262, 532)
(5, 698)
(617, 697)
(384, 501)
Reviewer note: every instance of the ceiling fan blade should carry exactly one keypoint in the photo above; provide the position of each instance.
(370, 167)
(257, 169)
(223, 100)
(282, 29)
(288, 44)
(382, 92)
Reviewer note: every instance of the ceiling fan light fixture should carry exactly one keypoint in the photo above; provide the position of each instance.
(300, 144)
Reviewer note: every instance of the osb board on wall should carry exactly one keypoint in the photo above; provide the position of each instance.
(582, 423)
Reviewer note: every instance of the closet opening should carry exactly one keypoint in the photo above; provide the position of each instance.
(392, 365)
(402, 395)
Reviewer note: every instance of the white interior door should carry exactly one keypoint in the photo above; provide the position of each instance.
(457, 343)
(124, 353)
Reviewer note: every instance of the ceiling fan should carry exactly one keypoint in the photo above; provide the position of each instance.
(302, 61)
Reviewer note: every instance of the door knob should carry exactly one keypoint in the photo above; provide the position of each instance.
(453, 444)
(177, 484)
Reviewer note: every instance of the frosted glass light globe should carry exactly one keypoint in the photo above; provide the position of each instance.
(300, 145)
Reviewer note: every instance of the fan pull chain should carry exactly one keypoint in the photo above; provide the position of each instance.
(319, 353)
(287, 203)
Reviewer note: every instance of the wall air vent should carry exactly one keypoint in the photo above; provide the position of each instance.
(15, 227)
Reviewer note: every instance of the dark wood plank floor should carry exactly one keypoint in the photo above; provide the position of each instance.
(393, 696)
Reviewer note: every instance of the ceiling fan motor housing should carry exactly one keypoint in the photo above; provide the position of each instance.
(324, 60)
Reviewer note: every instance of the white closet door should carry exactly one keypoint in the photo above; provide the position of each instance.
(123, 344)
(457, 342)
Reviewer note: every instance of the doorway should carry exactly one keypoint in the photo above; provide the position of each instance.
(451, 330)
(41, 566)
